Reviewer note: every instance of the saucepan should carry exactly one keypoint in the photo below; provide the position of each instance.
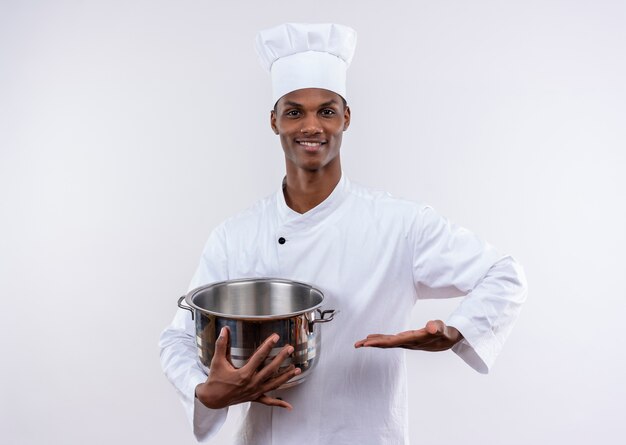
(254, 309)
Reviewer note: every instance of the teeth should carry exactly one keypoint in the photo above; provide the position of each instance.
(310, 144)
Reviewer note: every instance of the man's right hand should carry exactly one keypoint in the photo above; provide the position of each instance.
(227, 385)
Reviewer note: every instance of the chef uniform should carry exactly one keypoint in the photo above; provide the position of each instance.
(373, 256)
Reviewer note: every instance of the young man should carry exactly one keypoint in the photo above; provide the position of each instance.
(371, 255)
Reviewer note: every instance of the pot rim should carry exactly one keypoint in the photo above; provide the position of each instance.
(193, 292)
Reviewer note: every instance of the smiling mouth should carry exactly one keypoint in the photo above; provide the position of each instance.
(311, 143)
(311, 146)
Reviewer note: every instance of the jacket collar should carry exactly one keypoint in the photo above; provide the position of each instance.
(318, 213)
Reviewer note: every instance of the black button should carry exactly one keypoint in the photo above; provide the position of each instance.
(281, 240)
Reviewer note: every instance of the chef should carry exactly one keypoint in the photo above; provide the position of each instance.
(372, 255)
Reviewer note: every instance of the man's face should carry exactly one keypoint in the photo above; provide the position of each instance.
(310, 123)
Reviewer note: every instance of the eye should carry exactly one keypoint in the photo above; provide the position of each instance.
(328, 112)
(292, 113)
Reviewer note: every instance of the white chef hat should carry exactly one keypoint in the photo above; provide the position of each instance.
(302, 55)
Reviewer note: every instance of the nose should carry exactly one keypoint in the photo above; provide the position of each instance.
(311, 126)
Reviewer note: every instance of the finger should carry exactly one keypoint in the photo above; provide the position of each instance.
(382, 341)
(286, 369)
(359, 343)
(270, 401)
(221, 346)
(280, 379)
(228, 344)
(403, 339)
(261, 353)
(267, 371)
(373, 339)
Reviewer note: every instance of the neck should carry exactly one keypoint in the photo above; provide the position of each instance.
(305, 189)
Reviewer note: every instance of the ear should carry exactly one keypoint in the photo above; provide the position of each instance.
(273, 122)
(346, 118)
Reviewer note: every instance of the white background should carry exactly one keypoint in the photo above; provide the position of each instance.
(129, 129)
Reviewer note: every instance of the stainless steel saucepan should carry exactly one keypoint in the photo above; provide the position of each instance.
(254, 309)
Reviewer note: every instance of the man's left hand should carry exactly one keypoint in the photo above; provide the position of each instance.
(435, 336)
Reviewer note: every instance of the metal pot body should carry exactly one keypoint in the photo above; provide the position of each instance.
(254, 309)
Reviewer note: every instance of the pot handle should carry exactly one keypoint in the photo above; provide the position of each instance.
(330, 312)
(180, 305)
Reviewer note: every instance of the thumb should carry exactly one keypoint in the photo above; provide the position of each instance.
(436, 327)
(221, 346)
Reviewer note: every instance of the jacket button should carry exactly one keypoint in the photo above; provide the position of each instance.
(281, 240)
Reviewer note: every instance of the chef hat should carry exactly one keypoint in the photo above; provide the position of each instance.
(301, 55)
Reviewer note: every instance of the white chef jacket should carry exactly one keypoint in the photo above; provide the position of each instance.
(372, 256)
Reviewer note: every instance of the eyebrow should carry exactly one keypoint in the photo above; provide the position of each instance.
(330, 102)
(298, 105)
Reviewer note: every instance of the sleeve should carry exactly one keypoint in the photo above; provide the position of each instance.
(179, 357)
(450, 261)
